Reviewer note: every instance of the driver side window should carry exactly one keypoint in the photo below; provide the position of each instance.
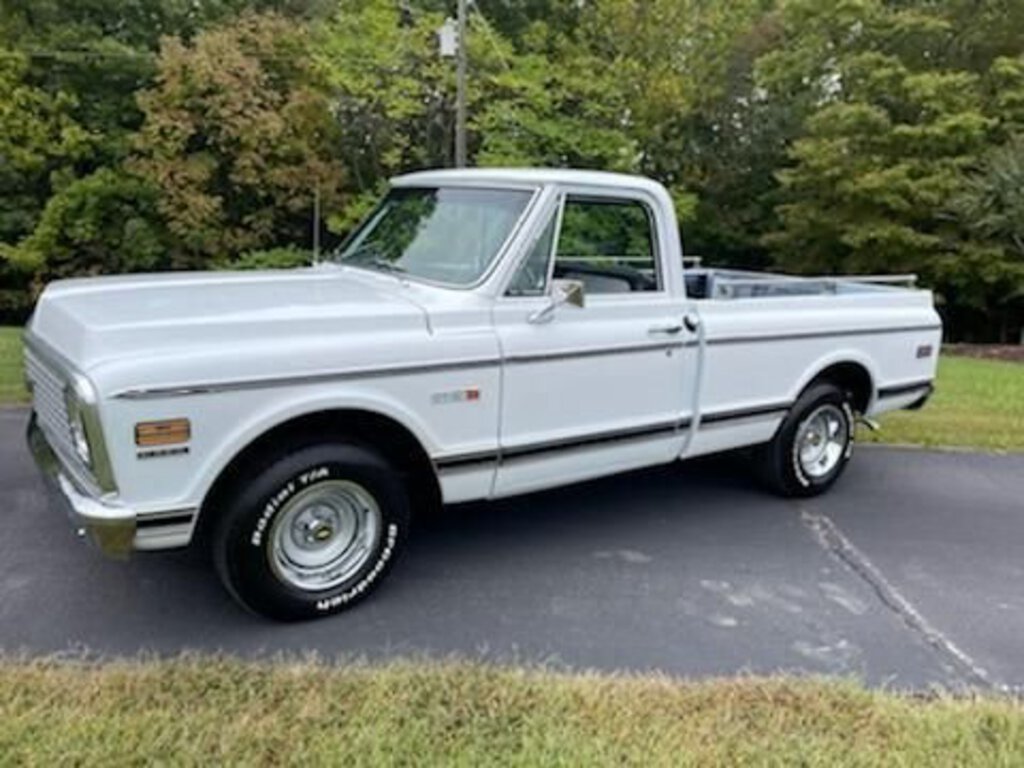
(605, 243)
(608, 244)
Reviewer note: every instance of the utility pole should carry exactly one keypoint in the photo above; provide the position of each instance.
(316, 222)
(460, 93)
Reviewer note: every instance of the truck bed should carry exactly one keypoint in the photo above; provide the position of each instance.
(710, 283)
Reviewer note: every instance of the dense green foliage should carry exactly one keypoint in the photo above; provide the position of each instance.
(816, 136)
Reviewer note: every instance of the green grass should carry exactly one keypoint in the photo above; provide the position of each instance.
(12, 385)
(198, 712)
(977, 404)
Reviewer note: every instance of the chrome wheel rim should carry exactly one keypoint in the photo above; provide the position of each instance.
(324, 535)
(821, 440)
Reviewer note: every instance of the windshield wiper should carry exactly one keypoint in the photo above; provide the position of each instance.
(368, 255)
(387, 266)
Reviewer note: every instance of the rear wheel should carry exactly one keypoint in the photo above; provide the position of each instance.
(813, 444)
(311, 532)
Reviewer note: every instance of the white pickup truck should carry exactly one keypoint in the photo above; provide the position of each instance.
(484, 333)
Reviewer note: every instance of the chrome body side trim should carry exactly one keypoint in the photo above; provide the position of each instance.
(820, 334)
(627, 349)
(185, 390)
(147, 393)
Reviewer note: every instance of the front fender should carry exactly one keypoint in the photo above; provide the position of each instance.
(277, 413)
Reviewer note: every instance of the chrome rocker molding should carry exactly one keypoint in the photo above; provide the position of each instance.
(724, 417)
(649, 432)
(511, 453)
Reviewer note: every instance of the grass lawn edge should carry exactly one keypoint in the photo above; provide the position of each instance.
(466, 713)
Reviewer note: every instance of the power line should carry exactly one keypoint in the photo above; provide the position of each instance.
(50, 53)
(73, 54)
(489, 30)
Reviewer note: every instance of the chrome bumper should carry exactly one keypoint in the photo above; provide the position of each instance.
(109, 526)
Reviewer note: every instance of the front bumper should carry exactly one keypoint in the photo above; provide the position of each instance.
(109, 526)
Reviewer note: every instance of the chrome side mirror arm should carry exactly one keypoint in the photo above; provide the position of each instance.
(562, 292)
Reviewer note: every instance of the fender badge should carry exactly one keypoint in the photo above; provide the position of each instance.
(160, 453)
(468, 395)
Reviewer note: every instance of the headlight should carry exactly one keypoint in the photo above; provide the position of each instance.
(79, 439)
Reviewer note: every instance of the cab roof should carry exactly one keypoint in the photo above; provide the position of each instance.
(534, 177)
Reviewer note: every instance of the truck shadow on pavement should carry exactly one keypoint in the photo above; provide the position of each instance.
(461, 540)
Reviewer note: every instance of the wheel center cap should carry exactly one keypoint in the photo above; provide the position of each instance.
(321, 532)
(317, 529)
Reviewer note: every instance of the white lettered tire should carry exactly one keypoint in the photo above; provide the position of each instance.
(813, 444)
(311, 532)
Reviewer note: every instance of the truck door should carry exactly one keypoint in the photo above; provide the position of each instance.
(607, 386)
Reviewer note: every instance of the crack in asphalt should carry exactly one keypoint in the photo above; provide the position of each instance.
(834, 541)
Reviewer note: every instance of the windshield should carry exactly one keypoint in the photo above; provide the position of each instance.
(444, 234)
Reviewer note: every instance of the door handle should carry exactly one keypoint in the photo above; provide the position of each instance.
(668, 330)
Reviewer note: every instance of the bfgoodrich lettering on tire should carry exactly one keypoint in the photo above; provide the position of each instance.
(813, 444)
(311, 532)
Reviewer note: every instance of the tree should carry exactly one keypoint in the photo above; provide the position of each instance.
(391, 96)
(38, 138)
(564, 109)
(897, 115)
(541, 101)
(683, 71)
(104, 223)
(39, 141)
(238, 136)
(991, 207)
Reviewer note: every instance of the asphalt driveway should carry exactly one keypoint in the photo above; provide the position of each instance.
(909, 574)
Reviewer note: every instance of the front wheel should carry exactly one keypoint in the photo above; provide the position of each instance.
(311, 532)
(812, 446)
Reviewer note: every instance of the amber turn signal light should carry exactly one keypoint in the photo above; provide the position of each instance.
(169, 432)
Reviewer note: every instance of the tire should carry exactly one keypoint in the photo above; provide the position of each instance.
(311, 532)
(791, 472)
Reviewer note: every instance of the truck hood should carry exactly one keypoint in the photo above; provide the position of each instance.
(97, 322)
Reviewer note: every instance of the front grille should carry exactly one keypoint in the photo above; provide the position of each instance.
(52, 413)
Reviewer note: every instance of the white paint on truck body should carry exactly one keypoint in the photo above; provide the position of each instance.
(629, 380)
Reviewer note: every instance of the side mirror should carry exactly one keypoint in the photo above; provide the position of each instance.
(562, 292)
